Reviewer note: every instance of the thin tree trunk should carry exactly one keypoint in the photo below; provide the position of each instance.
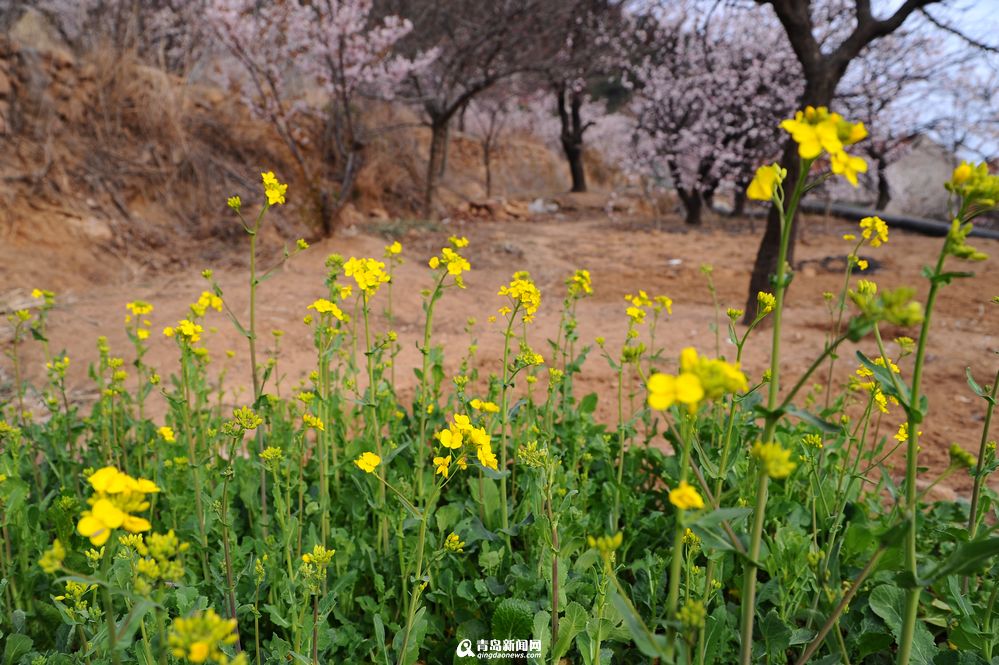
(572, 129)
(693, 204)
(487, 151)
(884, 191)
(739, 200)
(445, 150)
(438, 143)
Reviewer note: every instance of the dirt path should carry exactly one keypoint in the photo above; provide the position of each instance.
(623, 256)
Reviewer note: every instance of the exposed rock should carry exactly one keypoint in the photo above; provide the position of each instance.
(34, 31)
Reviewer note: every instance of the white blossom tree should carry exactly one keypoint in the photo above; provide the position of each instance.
(333, 46)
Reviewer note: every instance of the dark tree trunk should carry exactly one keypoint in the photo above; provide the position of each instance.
(487, 162)
(818, 92)
(444, 151)
(438, 145)
(884, 191)
(572, 134)
(693, 204)
(739, 200)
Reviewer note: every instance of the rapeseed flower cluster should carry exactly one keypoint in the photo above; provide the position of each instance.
(369, 274)
(579, 285)
(523, 294)
(685, 497)
(117, 497)
(774, 459)
(459, 436)
(975, 185)
(159, 559)
(451, 262)
(817, 131)
(200, 637)
(187, 331)
(324, 306)
(895, 306)
(314, 565)
(273, 190)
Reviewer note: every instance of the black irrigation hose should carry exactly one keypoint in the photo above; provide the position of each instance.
(930, 227)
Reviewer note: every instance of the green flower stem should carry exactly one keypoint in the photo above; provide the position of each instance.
(224, 518)
(414, 598)
(616, 514)
(383, 535)
(325, 445)
(109, 607)
(255, 371)
(192, 452)
(749, 583)
(987, 623)
(504, 420)
(780, 286)
(423, 400)
(911, 469)
(979, 475)
(840, 607)
(676, 560)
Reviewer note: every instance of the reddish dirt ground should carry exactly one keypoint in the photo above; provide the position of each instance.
(622, 255)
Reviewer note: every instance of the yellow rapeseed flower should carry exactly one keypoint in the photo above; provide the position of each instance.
(685, 497)
(369, 274)
(765, 303)
(117, 495)
(368, 462)
(847, 166)
(523, 292)
(324, 306)
(273, 190)
(200, 638)
(166, 433)
(774, 458)
(874, 229)
(666, 389)
(766, 181)
(443, 465)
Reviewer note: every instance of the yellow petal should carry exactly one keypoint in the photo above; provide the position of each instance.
(108, 513)
(134, 524)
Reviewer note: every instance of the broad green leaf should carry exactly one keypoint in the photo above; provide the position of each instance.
(648, 642)
(888, 602)
(569, 626)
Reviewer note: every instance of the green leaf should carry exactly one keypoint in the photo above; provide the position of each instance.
(977, 389)
(813, 420)
(275, 615)
(543, 632)
(648, 643)
(417, 633)
(17, 646)
(588, 404)
(948, 277)
(380, 638)
(513, 619)
(887, 602)
(966, 559)
(776, 637)
(569, 626)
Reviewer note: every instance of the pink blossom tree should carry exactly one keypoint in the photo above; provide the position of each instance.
(334, 46)
(708, 99)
